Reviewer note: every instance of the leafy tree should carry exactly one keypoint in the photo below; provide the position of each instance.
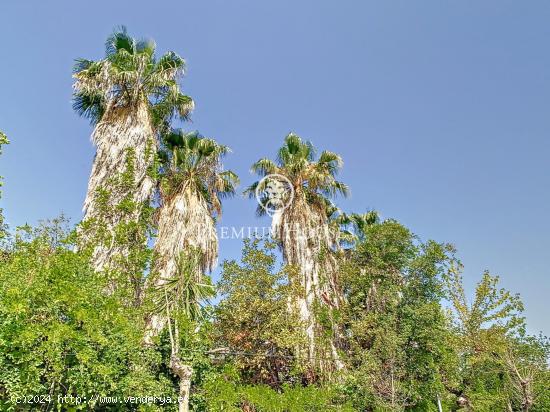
(255, 337)
(252, 322)
(484, 331)
(396, 326)
(60, 334)
(524, 361)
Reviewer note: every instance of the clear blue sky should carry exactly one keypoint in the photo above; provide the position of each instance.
(440, 109)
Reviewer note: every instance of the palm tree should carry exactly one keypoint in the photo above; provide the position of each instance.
(191, 189)
(129, 96)
(301, 226)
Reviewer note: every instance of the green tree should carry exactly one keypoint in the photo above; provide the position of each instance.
(395, 323)
(252, 321)
(255, 337)
(525, 359)
(60, 334)
(484, 330)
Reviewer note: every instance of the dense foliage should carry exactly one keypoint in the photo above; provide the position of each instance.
(60, 334)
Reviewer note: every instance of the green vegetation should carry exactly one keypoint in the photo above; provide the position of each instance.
(337, 312)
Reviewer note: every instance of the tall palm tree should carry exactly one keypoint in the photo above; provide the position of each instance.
(302, 228)
(192, 185)
(129, 96)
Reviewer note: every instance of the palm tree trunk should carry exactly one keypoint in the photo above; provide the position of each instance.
(305, 238)
(123, 134)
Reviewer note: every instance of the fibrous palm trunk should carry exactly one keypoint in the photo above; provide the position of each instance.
(125, 144)
(307, 244)
(184, 223)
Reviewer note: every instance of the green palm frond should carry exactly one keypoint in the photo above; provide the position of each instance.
(169, 64)
(183, 105)
(130, 73)
(250, 191)
(89, 105)
(81, 65)
(118, 41)
(353, 227)
(188, 290)
(171, 104)
(228, 181)
(330, 163)
(146, 46)
(190, 160)
(264, 167)
(173, 139)
(332, 188)
(297, 162)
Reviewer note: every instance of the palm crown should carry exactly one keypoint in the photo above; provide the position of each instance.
(353, 227)
(193, 162)
(128, 75)
(313, 180)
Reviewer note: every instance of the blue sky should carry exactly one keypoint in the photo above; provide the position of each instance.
(440, 110)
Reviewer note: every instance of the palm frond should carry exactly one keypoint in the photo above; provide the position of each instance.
(146, 46)
(184, 105)
(334, 188)
(264, 167)
(119, 40)
(250, 191)
(330, 162)
(185, 291)
(170, 64)
(82, 64)
(230, 181)
(295, 152)
(90, 106)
